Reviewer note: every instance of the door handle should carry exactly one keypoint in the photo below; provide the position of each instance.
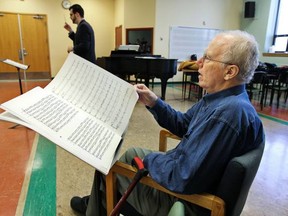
(24, 52)
(21, 53)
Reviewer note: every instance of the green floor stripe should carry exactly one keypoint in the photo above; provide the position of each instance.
(41, 195)
(273, 119)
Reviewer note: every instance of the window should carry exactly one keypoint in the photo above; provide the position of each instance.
(281, 30)
(142, 37)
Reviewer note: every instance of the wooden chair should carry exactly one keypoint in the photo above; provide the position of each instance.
(233, 190)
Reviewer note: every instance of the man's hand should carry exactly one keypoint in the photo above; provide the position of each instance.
(70, 49)
(68, 27)
(146, 96)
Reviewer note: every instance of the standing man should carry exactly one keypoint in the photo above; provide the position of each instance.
(83, 38)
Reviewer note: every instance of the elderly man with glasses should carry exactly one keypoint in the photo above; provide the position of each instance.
(222, 125)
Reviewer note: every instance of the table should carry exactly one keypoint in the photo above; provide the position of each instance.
(194, 81)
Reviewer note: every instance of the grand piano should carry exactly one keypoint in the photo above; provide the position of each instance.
(124, 63)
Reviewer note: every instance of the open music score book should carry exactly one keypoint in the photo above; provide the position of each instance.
(84, 110)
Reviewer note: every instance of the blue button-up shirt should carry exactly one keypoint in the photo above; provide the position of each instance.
(219, 127)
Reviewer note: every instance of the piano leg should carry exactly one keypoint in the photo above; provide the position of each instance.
(163, 87)
(147, 81)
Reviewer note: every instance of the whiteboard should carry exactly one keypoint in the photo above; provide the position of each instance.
(185, 41)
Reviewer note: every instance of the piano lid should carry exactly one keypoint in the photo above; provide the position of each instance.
(131, 53)
(124, 53)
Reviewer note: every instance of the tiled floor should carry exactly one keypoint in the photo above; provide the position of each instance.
(38, 178)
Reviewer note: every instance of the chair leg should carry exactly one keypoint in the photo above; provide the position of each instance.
(265, 97)
(278, 98)
(272, 96)
(261, 100)
(110, 192)
(189, 95)
(185, 85)
(98, 198)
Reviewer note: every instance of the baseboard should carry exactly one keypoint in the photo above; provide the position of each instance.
(29, 75)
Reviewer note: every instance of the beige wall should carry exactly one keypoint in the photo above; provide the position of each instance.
(104, 15)
(217, 14)
(99, 13)
(134, 14)
(139, 13)
(119, 16)
(119, 12)
(262, 27)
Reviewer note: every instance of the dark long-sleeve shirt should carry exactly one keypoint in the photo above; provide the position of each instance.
(216, 129)
(84, 41)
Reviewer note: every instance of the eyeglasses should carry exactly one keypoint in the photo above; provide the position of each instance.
(205, 57)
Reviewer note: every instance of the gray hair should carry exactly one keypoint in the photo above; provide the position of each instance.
(241, 50)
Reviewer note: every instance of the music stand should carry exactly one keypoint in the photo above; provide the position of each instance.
(18, 66)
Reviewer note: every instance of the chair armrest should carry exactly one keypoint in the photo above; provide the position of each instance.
(205, 200)
(163, 137)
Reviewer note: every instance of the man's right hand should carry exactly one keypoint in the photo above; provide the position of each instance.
(146, 96)
(67, 27)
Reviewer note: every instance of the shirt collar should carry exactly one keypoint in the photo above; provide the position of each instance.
(235, 90)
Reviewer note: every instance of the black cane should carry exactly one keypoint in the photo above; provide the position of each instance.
(138, 163)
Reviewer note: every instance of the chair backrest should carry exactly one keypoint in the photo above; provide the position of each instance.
(237, 179)
(283, 78)
(259, 77)
(257, 83)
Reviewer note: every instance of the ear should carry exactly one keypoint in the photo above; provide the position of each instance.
(231, 71)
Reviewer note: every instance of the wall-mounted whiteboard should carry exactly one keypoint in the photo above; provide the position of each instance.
(185, 41)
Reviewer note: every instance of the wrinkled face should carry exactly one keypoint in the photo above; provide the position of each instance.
(212, 70)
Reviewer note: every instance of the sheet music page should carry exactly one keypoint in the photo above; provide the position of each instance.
(85, 110)
(67, 126)
(95, 91)
(6, 116)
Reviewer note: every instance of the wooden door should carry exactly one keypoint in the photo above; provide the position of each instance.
(35, 43)
(25, 40)
(9, 40)
(118, 36)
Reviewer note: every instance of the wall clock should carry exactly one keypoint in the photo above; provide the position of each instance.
(66, 4)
